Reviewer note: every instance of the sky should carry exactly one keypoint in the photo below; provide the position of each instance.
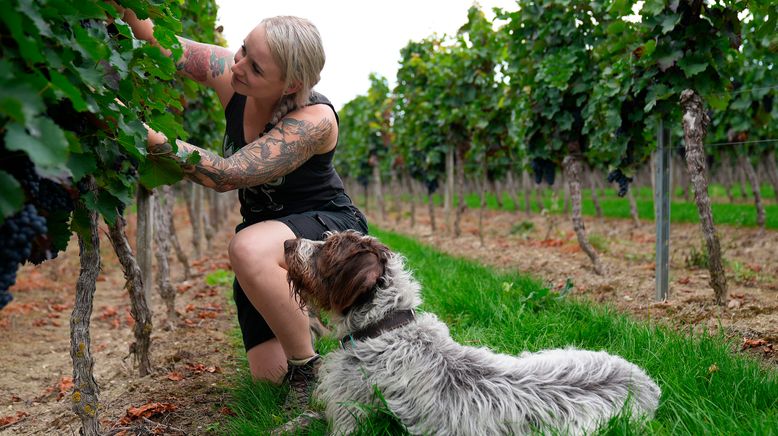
(359, 37)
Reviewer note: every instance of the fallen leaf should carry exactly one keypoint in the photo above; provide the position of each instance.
(224, 410)
(12, 419)
(197, 368)
(146, 411)
(175, 376)
(184, 286)
(108, 312)
(65, 384)
(753, 343)
(684, 280)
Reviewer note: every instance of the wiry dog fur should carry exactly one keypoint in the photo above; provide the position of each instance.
(433, 384)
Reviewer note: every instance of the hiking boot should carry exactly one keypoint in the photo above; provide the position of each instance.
(301, 378)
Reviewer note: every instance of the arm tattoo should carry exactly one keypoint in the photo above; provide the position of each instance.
(201, 59)
(284, 149)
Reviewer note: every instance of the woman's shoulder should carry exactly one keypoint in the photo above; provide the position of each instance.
(317, 98)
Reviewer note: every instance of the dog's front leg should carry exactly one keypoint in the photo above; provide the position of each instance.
(345, 389)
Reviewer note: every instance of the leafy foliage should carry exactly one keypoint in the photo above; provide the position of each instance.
(76, 88)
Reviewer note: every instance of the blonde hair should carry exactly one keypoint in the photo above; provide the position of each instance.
(296, 47)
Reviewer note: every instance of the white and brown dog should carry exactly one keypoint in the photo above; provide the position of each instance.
(431, 383)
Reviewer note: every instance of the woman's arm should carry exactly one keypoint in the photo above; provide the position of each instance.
(205, 63)
(296, 138)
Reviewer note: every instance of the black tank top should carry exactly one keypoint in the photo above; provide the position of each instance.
(307, 188)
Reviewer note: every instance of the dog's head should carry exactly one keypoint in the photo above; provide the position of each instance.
(337, 273)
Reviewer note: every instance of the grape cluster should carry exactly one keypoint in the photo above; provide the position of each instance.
(17, 233)
(623, 181)
(432, 186)
(543, 169)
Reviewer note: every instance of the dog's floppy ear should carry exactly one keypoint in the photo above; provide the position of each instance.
(356, 280)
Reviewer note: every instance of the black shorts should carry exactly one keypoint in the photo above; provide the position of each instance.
(338, 215)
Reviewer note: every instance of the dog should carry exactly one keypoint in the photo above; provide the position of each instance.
(432, 384)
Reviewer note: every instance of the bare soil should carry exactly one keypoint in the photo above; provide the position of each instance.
(549, 250)
(186, 393)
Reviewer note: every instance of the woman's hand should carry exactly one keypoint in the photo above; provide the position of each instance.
(157, 143)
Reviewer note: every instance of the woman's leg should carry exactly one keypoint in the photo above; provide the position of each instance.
(257, 257)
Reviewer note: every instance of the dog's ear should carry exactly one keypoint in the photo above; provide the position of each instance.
(356, 280)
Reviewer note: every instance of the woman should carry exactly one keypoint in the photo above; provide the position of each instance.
(278, 149)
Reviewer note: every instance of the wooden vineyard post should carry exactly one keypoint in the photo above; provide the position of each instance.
(662, 211)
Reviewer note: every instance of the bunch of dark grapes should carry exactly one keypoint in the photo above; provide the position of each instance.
(623, 181)
(17, 233)
(432, 186)
(543, 169)
(52, 201)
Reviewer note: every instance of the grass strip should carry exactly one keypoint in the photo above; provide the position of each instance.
(733, 214)
(706, 389)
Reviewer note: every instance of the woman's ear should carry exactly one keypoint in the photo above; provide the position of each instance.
(293, 87)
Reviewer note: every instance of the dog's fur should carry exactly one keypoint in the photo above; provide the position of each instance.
(433, 384)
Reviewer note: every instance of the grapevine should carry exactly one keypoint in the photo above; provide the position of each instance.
(18, 234)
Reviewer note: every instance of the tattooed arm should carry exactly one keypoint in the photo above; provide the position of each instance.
(296, 138)
(204, 63)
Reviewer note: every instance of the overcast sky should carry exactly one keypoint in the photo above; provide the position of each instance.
(359, 37)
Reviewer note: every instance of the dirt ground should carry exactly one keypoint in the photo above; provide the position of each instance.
(192, 364)
(185, 394)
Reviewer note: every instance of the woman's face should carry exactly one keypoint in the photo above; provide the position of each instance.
(255, 73)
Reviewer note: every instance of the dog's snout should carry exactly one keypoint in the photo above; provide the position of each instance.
(289, 245)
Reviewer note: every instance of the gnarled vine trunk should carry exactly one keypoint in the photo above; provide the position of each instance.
(412, 190)
(378, 188)
(526, 187)
(85, 397)
(595, 197)
(511, 188)
(572, 166)
(771, 170)
(163, 216)
(460, 190)
(194, 206)
(695, 125)
(748, 168)
(138, 308)
(633, 208)
(170, 199)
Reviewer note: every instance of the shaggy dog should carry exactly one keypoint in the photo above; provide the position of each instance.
(431, 383)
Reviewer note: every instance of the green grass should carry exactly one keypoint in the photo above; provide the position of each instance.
(705, 388)
(742, 214)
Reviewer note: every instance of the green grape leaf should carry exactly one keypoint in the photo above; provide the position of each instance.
(43, 141)
(11, 196)
(20, 101)
(61, 83)
(159, 172)
(693, 65)
(81, 164)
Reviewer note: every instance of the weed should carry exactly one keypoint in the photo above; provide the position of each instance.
(523, 228)
(599, 242)
(697, 259)
(220, 277)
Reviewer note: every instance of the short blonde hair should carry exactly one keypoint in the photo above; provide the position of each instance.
(296, 47)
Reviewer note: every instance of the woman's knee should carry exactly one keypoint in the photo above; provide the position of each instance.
(258, 245)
